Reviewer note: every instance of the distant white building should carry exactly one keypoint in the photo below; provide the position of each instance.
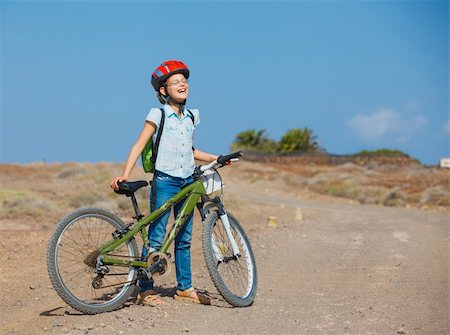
(445, 163)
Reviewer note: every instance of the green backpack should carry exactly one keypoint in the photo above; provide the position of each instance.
(150, 152)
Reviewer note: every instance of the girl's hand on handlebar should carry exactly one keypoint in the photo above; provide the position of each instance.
(226, 159)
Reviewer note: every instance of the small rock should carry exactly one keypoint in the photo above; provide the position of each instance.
(272, 221)
(298, 215)
(185, 330)
(401, 331)
(57, 323)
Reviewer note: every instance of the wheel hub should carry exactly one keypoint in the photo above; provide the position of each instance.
(91, 259)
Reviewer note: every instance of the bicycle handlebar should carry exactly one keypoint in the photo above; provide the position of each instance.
(221, 161)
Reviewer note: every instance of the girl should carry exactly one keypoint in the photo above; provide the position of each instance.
(173, 170)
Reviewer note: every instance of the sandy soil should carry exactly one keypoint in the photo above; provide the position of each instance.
(329, 266)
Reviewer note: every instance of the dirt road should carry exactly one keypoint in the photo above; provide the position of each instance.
(326, 268)
(358, 270)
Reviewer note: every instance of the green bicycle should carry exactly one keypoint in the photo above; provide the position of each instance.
(94, 261)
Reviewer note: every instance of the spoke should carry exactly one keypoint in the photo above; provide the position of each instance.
(106, 235)
(234, 272)
(77, 245)
(64, 266)
(89, 231)
(70, 251)
(238, 265)
(71, 246)
(82, 231)
(118, 284)
(75, 276)
(238, 269)
(70, 259)
(100, 235)
(222, 232)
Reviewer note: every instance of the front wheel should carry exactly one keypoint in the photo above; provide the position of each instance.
(234, 276)
(72, 261)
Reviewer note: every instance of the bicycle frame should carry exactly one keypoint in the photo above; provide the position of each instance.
(192, 193)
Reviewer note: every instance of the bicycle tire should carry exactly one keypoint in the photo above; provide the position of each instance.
(236, 280)
(77, 235)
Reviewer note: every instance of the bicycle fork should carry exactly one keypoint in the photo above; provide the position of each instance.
(218, 250)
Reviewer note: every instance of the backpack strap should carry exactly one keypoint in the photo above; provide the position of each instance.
(153, 159)
(192, 117)
(158, 137)
(193, 122)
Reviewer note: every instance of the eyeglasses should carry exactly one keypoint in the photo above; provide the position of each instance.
(177, 82)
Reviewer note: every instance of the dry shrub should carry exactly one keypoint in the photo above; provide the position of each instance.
(85, 199)
(333, 176)
(291, 182)
(353, 190)
(106, 204)
(123, 203)
(435, 196)
(71, 172)
(6, 194)
(371, 195)
(445, 202)
(26, 205)
(234, 203)
(125, 207)
(339, 188)
(395, 197)
(351, 167)
(102, 177)
(414, 198)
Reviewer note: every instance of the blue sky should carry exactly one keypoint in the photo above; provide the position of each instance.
(75, 75)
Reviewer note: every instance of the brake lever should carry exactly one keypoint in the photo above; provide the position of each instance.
(231, 160)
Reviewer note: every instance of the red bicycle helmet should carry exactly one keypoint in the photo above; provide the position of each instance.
(165, 70)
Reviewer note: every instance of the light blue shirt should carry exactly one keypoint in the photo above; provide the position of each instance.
(175, 155)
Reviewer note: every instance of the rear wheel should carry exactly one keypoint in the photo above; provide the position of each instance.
(72, 261)
(234, 277)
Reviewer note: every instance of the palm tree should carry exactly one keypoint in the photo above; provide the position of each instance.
(297, 139)
(253, 140)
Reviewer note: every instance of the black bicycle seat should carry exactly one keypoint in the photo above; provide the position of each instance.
(129, 187)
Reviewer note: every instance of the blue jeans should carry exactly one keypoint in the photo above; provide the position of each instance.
(166, 187)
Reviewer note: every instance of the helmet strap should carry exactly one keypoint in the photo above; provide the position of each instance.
(169, 100)
(180, 105)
